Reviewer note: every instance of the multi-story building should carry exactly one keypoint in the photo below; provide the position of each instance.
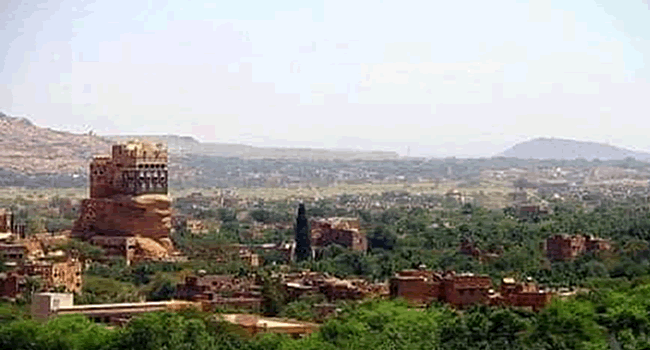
(13, 251)
(132, 169)
(423, 287)
(66, 274)
(565, 247)
(221, 291)
(342, 231)
(9, 224)
(6, 219)
(526, 294)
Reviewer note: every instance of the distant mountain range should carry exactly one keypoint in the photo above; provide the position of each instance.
(554, 148)
(189, 145)
(26, 148)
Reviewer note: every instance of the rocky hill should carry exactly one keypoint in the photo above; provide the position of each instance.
(553, 148)
(30, 149)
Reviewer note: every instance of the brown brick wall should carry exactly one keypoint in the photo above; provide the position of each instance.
(422, 287)
(13, 252)
(5, 220)
(534, 300)
(325, 233)
(68, 274)
(415, 289)
(10, 285)
(54, 274)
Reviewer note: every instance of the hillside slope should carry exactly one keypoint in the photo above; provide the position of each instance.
(553, 148)
(28, 149)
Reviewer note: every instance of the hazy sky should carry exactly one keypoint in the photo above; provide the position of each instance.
(463, 78)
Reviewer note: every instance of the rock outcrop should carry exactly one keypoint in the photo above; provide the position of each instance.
(147, 215)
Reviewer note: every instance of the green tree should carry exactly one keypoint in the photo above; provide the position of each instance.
(382, 237)
(567, 325)
(303, 239)
(157, 331)
(273, 294)
(82, 250)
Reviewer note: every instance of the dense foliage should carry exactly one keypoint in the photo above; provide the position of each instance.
(607, 318)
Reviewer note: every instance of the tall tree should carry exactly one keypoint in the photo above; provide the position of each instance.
(303, 242)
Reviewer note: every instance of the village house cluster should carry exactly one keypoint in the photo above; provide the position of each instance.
(298, 284)
(37, 259)
(390, 199)
(423, 287)
(219, 291)
(535, 187)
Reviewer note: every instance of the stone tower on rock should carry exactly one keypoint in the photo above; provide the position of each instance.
(129, 211)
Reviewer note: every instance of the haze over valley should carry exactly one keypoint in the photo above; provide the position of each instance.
(324, 175)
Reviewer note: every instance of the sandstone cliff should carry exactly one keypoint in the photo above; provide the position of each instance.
(146, 215)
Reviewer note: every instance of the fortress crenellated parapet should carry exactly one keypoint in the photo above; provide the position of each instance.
(133, 168)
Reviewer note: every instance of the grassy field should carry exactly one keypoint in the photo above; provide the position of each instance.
(492, 194)
(41, 194)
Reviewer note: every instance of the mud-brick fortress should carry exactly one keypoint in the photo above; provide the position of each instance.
(129, 212)
(134, 168)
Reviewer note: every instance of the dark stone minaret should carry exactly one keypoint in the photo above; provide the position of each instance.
(303, 241)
